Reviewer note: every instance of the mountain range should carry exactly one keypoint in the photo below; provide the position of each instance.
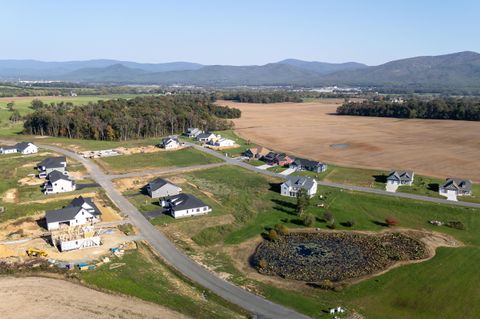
(453, 71)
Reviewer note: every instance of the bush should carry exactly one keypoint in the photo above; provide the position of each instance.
(328, 217)
(309, 220)
(349, 223)
(391, 221)
(281, 229)
(262, 264)
(455, 224)
(272, 235)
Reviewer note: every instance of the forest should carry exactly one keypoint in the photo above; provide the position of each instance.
(447, 108)
(122, 119)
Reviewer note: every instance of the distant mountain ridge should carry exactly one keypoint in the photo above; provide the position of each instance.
(453, 71)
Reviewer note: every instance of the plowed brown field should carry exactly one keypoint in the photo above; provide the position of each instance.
(440, 148)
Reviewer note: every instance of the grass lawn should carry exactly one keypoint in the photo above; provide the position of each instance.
(181, 158)
(146, 276)
(413, 291)
(14, 167)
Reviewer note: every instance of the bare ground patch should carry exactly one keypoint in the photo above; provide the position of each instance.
(10, 196)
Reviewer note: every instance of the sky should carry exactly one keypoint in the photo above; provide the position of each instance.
(241, 32)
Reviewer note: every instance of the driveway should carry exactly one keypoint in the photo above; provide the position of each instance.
(288, 171)
(392, 188)
(264, 166)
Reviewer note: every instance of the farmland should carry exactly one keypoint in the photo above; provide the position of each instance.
(246, 205)
(377, 143)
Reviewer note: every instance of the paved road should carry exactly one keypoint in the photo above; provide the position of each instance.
(336, 185)
(176, 258)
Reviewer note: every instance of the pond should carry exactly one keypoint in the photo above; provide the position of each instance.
(334, 256)
(340, 145)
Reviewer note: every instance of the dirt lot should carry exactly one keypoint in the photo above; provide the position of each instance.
(439, 148)
(26, 298)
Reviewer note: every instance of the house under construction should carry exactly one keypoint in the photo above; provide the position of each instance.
(79, 237)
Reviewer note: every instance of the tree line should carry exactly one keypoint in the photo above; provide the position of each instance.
(122, 119)
(447, 108)
(261, 96)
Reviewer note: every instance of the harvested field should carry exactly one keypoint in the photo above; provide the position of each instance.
(335, 256)
(21, 296)
(369, 142)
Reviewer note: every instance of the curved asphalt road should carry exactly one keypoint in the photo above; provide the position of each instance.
(176, 258)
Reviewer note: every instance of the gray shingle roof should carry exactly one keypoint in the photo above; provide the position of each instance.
(56, 176)
(53, 162)
(79, 201)
(400, 175)
(300, 182)
(62, 215)
(22, 146)
(306, 162)
(185, 201)
(458, 184)
(157, 184)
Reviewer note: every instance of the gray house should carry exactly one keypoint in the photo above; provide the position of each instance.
(400, 178)
(161, 188)
(192, 132)
(51, 164)
(456, 187)
(295, 183)
(301, 164)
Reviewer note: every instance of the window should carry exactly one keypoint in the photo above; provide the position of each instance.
(198, 209)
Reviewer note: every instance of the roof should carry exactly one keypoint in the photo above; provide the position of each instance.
(458, 184)
(306, 162)
(157, 184)
(79, 201)
(259, 150)
(22, 146)
(204, 135)
(61, 215)
(185, 201)
(401, 175)
(9, 147)
(300, 182)
(56, 176)
(169, 139)
(53, 162)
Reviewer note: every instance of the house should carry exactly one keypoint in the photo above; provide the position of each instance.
(454, 187)
(161, 188)
(294, 184)
(51, 164)
(81, 211)
(22, 147)
(301, 164)
(256, 152)
(206, 137)
(400, 178)
(277, 159)
(192, 132)
(8, 149)
(222, 142)
(26, 148)
(58, 183)
(185, 205)
(170, 143)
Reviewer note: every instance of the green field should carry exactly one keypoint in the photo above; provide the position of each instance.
(145, 276)
(180, 158)
(14, 167)
(414, 291)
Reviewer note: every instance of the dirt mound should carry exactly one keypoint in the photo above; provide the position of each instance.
(36, 297)
(10, 196)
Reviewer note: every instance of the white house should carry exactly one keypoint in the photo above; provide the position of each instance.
(206, 137)
(161, 188)
(27, 148)
(51, 164)
(58, 183)
(185, 205)
(294, 184)
(454, 187)
(22, 147)
(193, 132)
(222, 142)
(81, 211)
(170, 143)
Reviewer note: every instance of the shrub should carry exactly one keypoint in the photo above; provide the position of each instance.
(326, 284)
(328, 217)
(350, 223)
(272, 235)
(281, 229)
(455, 224)
(262, 264)
(391, 221)
(309, 220)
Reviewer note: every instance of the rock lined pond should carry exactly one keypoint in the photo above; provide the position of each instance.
(334, 256)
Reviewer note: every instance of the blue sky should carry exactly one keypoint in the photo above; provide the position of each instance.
(237, 32)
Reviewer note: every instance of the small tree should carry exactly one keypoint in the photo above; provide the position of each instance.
(15, 117)
(350, 223)
(281, 229)
(391, 221)
(328, 217)
(309, 220)
(272, 235)
(303, 201)
(10, 106)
